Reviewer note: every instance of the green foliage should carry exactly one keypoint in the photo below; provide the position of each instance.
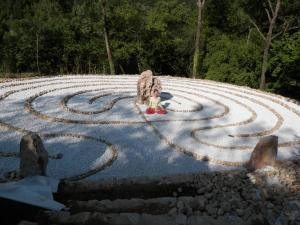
(232, 60)
(285, 64)
(167, 37)
(67, 37)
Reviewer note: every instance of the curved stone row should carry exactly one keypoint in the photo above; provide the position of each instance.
(255, 92)
(29, 108)
(256, 134)
(188, 87)
(112, 148)
(264, 132)
(66, 99)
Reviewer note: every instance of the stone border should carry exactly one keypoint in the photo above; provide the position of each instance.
(279, 122)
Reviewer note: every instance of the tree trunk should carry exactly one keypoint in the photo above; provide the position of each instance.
(89, 65)
(268, 41)
(249, 34)
(108, 50)
(37, 53)
(197, 43)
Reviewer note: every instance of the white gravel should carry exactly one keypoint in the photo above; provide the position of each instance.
(141, 152)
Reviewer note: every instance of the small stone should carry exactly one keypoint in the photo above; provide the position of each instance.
(270, 205)
(225, 206)
(201, 200)
(173, 211)
(240, 212)
(257, 219)
(33, 156)
(220, 212)
(211, 210)
(208, 196)
(264, 153)
(24, 222)
(199, 220)
(175, 194)
(201, 190)
(180, 205)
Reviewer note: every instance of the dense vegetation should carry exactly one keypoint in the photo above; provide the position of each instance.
(68, 36)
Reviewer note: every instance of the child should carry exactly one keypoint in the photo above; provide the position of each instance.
(154, 104)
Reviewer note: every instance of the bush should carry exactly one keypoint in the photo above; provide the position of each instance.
(232, 60)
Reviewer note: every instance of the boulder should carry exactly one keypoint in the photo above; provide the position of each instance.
(146, 84)
(264, 153)
(33, 156)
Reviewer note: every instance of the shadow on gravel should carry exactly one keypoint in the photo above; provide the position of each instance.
(270, 196)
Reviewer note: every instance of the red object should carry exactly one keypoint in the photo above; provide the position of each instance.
(161, 111)
(158, 111)
(150, 111)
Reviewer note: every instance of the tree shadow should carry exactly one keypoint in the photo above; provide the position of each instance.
(143, 160)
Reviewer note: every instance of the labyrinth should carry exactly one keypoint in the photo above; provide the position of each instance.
(93, 128)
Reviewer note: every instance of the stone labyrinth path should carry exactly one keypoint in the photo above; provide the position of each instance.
(95, 124)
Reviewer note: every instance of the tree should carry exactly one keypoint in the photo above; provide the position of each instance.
(285, 65)
(105, 32)
(232, 60)
(168, 36)
(272, 16)
(200, 4)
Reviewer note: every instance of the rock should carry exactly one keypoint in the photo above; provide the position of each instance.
(291, 213)
(197, 220)
(24, 222)
(162, 219)
(225, 206)
(201, 202)
(234, 219)
(132, 218)
(257, 219)
(146, 84)
(173, 211)
(264, 153)
(211, 209)
(11, 175)
(180, 206)
(201, 190)
(220, 212)
(240, 212)
(33, 156)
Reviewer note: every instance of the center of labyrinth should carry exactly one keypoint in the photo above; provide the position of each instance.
(101, 132)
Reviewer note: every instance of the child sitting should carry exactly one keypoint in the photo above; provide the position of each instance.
(154, 104)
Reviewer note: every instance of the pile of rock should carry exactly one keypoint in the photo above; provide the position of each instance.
(266, 196)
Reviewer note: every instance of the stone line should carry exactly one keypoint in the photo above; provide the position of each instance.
(184, 150)
(55, 79)
(28, 106)
(263, 133)
(96, 97)
(283, 144)
(247, 90)
(103, 109)
(197, 156)
(30, 109)
(66, 99)
(83, 175)
(112, 148)
(257, 134)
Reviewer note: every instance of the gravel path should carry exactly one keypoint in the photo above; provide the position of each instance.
(94, 122)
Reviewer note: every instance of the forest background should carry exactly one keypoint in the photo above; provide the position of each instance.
(49, 37)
